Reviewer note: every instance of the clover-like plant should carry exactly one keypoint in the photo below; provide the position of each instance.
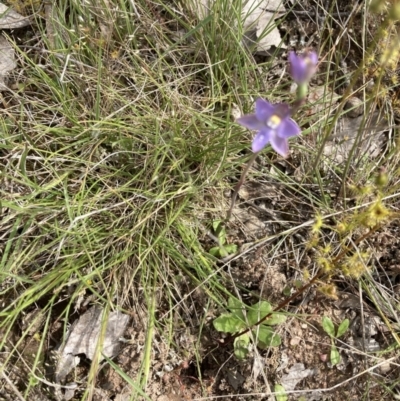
(242, 317)
(329, 329)
(222, 249)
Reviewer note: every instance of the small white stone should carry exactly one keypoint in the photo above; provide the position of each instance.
(168, 368)
(355, 107)
(385, 368)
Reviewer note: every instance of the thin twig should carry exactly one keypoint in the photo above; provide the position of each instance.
(12, 385)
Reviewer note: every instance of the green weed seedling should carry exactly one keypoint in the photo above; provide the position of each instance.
(329, 329)
(223, 249)
(280, 393)
(236, 322)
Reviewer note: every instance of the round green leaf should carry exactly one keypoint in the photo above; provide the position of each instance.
(266, 337)
(235, 306)
(231, 248)
(280, 393)
(228, 323)
(241, 346)
(214, 251)
(258, 311)
(274, 319)
(328, 326)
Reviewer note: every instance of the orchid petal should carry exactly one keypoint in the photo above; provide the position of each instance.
(264, 110)
(303, 66)
(292, 58)
(250, 121)
(282, 110)
(280, 145)
(288, 128)
(297, 67)
(313, 56)
(261, 139)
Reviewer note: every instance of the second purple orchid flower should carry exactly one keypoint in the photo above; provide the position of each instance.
(303, 66)
(273, 122)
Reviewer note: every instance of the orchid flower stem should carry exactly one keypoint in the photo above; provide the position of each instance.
(239, 185)
(294, 108)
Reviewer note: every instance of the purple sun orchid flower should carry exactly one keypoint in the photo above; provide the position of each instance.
(303, 66)
(274, 126)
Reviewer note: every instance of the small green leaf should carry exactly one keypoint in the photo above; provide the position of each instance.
(214, 251)
(343, 328)
(274, 319)
(230, 249)
(222, 237)
(258, 311)
(335, 356)
(235, 306)
(241, 353)
(228, 323)
(223, 252)
(266, 337)
(280, 393)
(216, 224)
(241, 346)
(222, 233)
(328, 326)
(298, 284)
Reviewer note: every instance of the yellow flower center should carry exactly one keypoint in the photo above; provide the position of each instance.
(308, 61)
(274, 121)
